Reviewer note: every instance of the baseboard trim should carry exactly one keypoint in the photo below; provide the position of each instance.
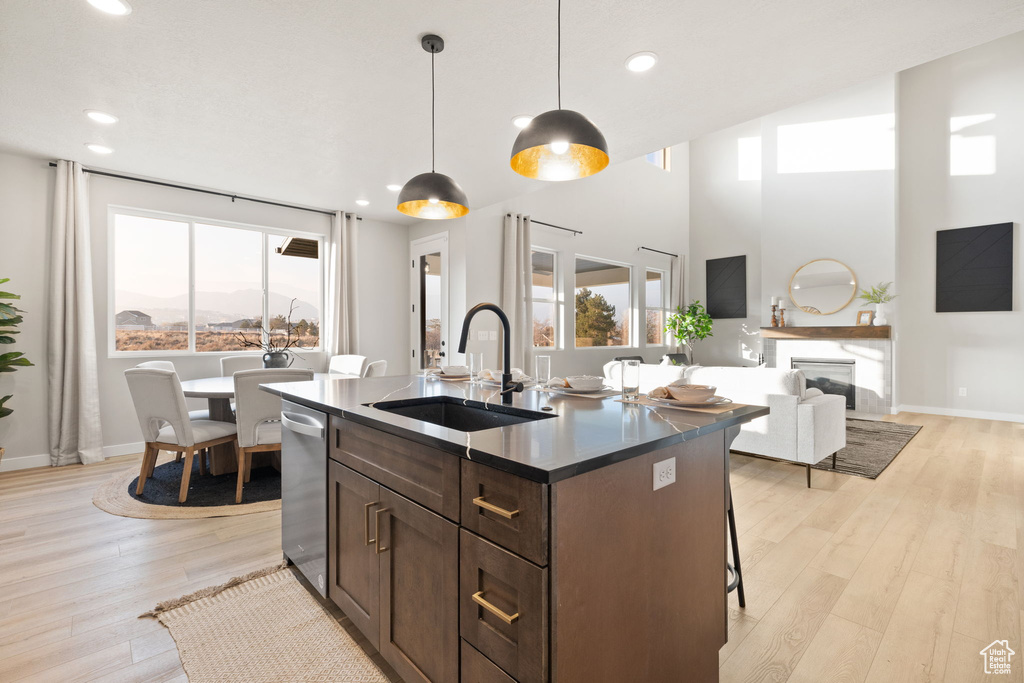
(25, 462)
(957, 412)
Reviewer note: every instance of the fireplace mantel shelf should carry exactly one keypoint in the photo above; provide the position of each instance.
(835, 332)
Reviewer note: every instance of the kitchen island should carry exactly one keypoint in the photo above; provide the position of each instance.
(557, 539)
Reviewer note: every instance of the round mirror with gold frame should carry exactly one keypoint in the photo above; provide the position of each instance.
(822, 287)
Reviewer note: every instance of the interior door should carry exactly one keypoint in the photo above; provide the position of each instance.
(354, 584)
(419, 584)
(429, 301)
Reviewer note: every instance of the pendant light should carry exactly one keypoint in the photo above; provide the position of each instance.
(432, 195)
(560, 144)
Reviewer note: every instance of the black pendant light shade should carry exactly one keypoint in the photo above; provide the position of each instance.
(434, 196)
(559, 145)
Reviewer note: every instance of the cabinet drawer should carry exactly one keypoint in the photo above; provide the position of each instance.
(503, 608)
(426, 475)
(478, 669)
(508, 510)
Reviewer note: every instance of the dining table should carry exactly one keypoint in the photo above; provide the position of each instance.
(219, 392)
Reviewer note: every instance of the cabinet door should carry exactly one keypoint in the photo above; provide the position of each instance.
(419, 583)
(354, 568)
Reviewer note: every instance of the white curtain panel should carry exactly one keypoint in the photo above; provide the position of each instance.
(517, 286)
(341, 334)
(676, 296)
(74, 401)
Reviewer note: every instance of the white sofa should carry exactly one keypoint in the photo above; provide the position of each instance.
(804, 426)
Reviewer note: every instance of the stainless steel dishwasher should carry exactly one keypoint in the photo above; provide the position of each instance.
(304, 491)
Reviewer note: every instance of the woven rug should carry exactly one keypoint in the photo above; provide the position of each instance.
(870, 447)
(209, 495)
(263, 627)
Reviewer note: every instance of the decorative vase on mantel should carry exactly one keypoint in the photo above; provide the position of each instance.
(880, 312)
(277, 359)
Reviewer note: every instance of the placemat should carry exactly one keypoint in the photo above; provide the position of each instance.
(714, 410)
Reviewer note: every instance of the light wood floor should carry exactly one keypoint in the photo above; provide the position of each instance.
(904, 578)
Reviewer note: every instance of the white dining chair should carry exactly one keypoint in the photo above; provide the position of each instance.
(376, 369)
(348, 364)
(164, 419)
(203, 414)
(258, 415)
(229, 365)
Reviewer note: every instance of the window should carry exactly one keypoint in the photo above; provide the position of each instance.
(545, 308)
(655, 291)
(602, 303)
(662, 158)
(182, 285)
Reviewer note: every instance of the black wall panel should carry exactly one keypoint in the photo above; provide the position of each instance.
(974, 269)
(727, 287)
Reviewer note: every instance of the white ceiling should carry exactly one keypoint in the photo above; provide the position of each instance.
(322, 102)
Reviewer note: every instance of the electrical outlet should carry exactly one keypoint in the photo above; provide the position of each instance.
(493, 335)
(963, 391)
(481, 335)
(664, 473)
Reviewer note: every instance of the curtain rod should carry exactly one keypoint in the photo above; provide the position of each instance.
(232, 197)
(659, 251)
(557, 227)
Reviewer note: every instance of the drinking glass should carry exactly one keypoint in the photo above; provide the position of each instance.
(543, 369)
(630, 380)
(476, 363)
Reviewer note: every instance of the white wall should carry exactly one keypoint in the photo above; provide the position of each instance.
(941, 352)
(628, 205)
(782, 220)
(27, 186)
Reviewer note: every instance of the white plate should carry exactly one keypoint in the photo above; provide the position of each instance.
(718, 400)
(453, 378)
(497, 383)
(570, 390)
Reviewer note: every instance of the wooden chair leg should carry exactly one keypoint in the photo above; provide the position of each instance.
(186, 474)
(146, 470)
(241, 472)
(177, 456)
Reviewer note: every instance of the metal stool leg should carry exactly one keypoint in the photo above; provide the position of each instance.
(737, 583)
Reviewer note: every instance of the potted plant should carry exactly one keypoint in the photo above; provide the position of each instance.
(10, 317)
(689, 324)
(276, 346)
(880, 297)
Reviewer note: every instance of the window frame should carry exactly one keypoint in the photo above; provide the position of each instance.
(633, 342)
(114, 210)
(664, 307)
(554, 300)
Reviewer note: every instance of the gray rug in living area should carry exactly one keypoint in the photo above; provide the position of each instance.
(870, 447)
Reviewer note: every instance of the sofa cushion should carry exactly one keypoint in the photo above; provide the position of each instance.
(751, 385)
(651, 376)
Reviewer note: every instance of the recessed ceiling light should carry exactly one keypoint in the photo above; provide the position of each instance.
(98, 149)
(521, 121)
(117, 7)
(641, 61)
(362, 202)
(394, 188)
(101, 117)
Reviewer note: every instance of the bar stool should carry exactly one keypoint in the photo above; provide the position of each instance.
(736, 582)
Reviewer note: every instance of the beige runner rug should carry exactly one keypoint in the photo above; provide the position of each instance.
(263, 627)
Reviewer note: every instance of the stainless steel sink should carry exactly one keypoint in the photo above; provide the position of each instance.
(458, 414)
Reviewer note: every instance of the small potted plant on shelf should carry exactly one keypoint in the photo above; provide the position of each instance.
(879, 296)
(10, 317)
(689, 324)
(276, 345)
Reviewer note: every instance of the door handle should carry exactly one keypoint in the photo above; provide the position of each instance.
(509, 619)
(366, 522)
(380, 545)
(481, 502)
(313, 428)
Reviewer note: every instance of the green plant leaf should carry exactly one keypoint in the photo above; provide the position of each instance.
(8, 295)
(11, 322)
(5, 338)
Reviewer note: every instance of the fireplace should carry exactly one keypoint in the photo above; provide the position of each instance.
(831, 376)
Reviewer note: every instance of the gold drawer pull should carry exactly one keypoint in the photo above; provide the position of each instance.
(380, 543)
(491, 507)
(366, 523)
(478, 598)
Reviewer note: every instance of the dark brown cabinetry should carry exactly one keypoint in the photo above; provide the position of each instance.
(596, 577)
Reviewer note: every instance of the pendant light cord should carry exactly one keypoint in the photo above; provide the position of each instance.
(433, 96)
(559, 54)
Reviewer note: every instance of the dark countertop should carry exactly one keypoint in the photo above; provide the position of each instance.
(586, 434)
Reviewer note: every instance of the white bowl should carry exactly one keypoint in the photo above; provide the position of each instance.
(457, 370)
(585, 382)
(694, 393)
